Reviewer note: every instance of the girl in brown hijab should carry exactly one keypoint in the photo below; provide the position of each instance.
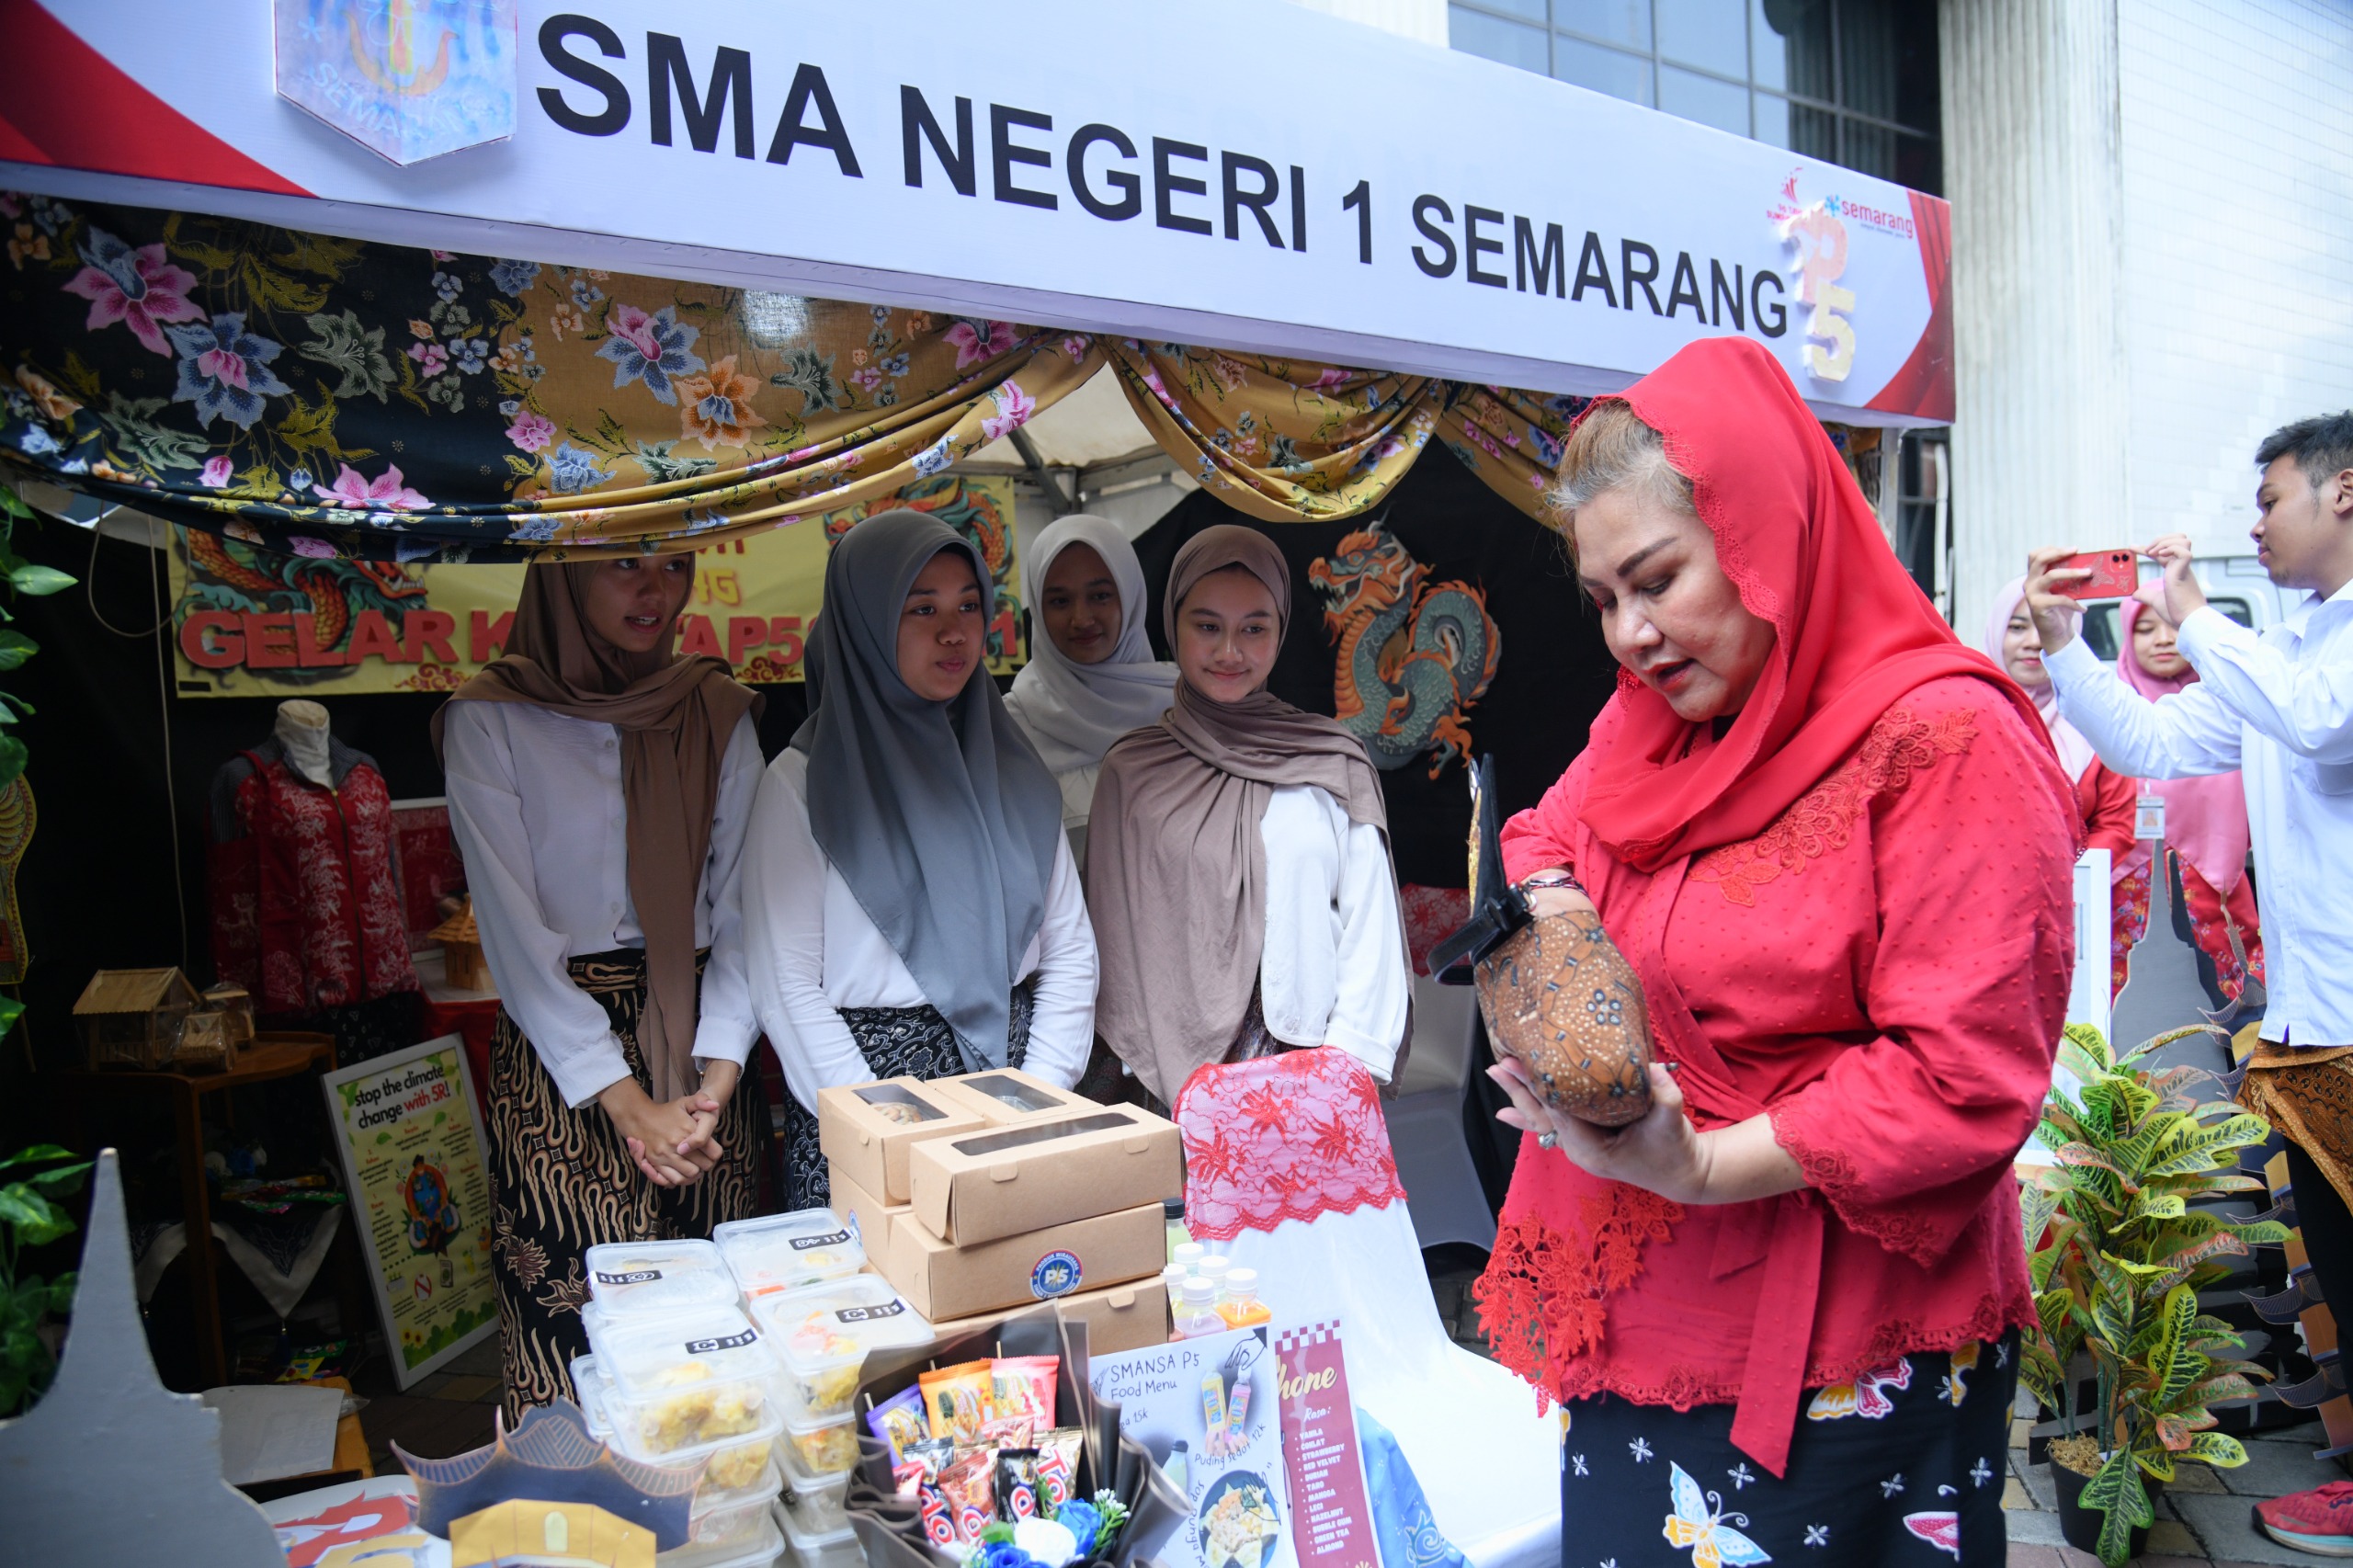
(599, 786)
(1238, 870)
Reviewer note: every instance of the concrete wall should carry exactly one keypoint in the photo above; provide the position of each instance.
(2238, 256)
(2153, 260)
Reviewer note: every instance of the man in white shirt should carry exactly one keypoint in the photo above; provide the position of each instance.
(2278, 707)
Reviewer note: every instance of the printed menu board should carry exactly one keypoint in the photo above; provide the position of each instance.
(408, 1130)
(1205, 1410)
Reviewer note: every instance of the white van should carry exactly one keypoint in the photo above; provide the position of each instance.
(2235, 584)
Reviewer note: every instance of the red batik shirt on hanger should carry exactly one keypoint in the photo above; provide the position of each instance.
(306, 902)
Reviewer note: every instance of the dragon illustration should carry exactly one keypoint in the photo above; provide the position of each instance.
(331, 591)
(1414, 656)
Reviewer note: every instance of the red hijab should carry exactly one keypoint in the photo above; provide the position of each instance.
(1853, 632)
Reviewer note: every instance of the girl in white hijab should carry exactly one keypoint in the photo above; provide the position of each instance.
(1091, 676)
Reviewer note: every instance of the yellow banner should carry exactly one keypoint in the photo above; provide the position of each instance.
(252, 623)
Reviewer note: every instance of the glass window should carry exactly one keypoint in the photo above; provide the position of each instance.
(1710, 34)
(1618, 22)
(1772, 119)
(1475, 32)
(1768, 63)
(1614, 71)
(1724, 104)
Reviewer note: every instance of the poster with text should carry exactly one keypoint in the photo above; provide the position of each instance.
(408, 1130)
(250, 622)
(1331, 1522)
(1205, 1410)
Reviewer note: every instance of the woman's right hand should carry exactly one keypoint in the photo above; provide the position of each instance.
(653, 1130)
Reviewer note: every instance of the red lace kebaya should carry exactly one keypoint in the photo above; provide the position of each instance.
(1850, 913)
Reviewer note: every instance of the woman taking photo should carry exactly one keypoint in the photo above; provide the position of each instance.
(600, 787)
(910, 905)
(2104, 798)
(1091, 676)
(2205, 816)
(1834, 847)
(1238, 862)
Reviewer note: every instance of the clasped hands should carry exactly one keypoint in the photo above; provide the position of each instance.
(673, 1142)
(2056, 614)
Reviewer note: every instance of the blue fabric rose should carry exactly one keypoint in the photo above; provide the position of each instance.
(1083, 1523)
(1004, 1554)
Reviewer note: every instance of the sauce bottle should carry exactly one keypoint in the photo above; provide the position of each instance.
(1242, 1308)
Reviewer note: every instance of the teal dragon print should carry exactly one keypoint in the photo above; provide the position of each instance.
(1414, 655)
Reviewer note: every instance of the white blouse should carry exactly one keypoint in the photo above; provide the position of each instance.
(535, 804)
(811, 950)
(1333, 972)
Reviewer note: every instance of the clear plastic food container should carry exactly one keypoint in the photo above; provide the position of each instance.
(589, 1386)
(762, 1488)
(630, 1278)
(785, 1252)
(688, 1386)
(820, 1445)
(817, 1505)
(754, 1541)
(823, 1333)
(819, 1549)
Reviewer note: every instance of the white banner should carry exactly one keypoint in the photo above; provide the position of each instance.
(1232, 174)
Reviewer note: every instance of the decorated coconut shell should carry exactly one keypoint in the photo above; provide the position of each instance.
(1559, 996)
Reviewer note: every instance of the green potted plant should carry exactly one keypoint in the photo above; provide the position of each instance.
(2118, 1255)
(30, 1181)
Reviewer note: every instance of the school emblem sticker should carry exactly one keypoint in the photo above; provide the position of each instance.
(1057, 1274)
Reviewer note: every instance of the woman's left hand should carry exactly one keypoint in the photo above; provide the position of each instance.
(1662, 1152)
(705, 1106)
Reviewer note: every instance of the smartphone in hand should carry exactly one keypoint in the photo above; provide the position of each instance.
(2115, 573)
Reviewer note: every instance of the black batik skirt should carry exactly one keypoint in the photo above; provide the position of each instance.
(1904, 1466)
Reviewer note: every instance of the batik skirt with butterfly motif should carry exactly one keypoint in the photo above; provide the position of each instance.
(1901, 1467)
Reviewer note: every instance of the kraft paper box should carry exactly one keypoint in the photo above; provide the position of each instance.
(859, 1130)
(943, 1281)
(1118, 1317)
(977, 1186)
(870, 1217)
(1004, 1096)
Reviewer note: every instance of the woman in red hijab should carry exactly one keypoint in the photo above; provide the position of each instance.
(1838, 851)
(2205, 817)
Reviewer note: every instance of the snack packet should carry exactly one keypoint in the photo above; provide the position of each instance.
(924, 1460)
(957, 1401)
(1017, 1483)
(1024, 1385)
(1008, 1432)
(898, 1421)
(938, 1520)
(969, 1483)
(1057, 1466)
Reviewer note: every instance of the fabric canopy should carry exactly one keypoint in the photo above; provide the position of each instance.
(329, 397)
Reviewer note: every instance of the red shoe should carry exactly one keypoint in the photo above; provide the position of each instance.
(2319, 1521)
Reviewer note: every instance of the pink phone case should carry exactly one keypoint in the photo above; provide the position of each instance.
(2115, 573)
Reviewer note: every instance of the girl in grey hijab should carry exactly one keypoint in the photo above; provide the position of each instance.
(911, 907)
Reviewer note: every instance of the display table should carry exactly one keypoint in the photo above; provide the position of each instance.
(270, 1056)
(469, 1015)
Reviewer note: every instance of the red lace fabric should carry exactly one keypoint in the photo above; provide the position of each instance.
(1285, 1137)
(1540, 1300)
(1432, 914)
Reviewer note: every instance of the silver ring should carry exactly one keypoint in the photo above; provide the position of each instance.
(1547, 1140)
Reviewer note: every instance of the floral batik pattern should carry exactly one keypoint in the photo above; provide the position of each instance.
(1908, 1470)
(323, 397)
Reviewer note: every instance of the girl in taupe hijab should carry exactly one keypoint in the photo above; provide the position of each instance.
(599, 787)
(1238, 870)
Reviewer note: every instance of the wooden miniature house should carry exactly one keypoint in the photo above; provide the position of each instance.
(463, 963)
(132, 1018)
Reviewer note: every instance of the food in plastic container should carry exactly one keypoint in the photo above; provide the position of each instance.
(818, 1504)
(589, 1386)
(628, 1279)
(822, 1333)
(734, 1525)
(823, 1444)
(722, 1486)
(785, 1252)
(687, 1382)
